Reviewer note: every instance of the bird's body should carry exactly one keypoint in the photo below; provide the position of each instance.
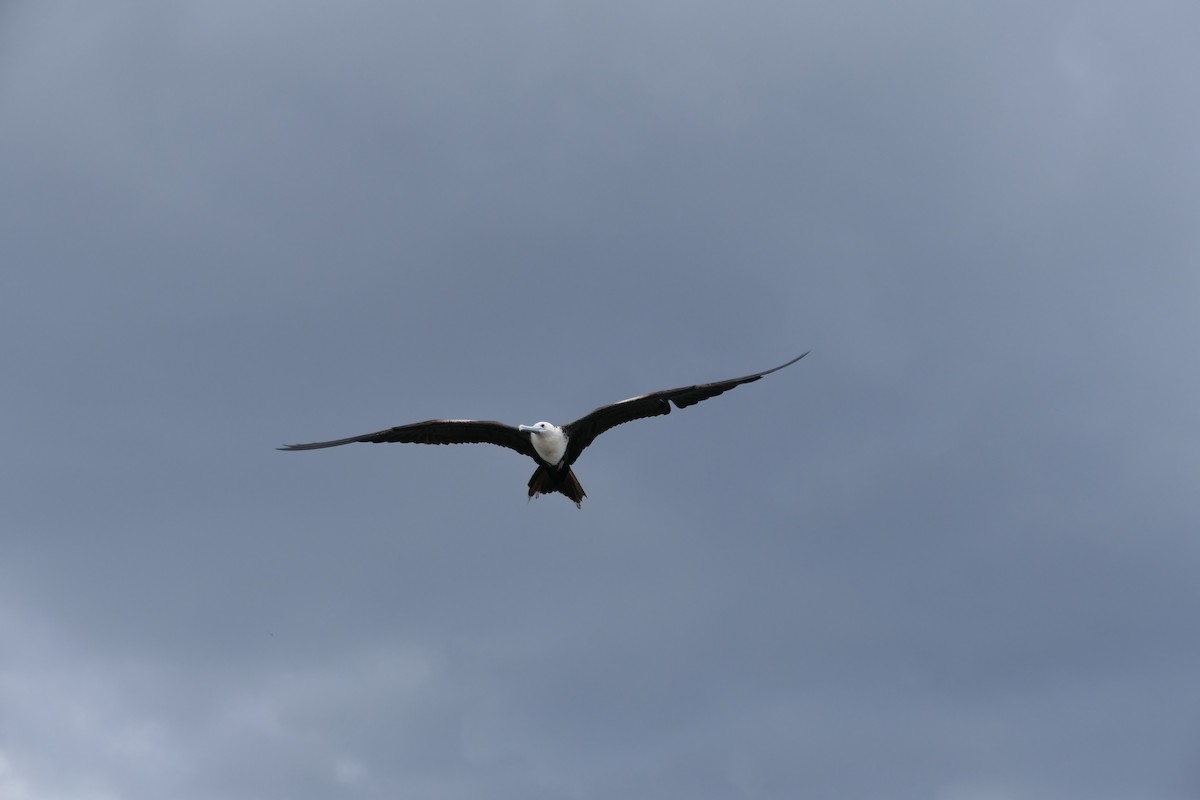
(554, 448)
(549, 441)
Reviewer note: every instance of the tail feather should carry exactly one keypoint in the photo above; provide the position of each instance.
(547, 480)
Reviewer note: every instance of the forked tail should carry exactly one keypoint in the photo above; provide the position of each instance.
(547, 480)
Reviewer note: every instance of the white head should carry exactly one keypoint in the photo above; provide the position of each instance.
(548, 440)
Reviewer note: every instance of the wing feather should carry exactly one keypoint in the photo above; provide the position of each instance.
(583, 431)
(439, 431)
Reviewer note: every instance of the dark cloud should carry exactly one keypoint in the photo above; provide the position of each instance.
(949, 555)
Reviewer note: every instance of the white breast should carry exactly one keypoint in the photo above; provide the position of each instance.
(550, 445)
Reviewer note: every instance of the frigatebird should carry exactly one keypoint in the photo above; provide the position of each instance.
(554, 449)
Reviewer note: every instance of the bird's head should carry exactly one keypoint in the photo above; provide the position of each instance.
(538, 427)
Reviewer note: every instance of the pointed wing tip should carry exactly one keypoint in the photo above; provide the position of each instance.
(293, 448)
(788, 364)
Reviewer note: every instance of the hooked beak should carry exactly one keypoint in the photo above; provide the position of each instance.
(529, 428)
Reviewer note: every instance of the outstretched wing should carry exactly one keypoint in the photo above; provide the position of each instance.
(584, 430)
(439, 431)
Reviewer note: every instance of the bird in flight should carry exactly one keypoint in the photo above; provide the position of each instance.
(554, 448)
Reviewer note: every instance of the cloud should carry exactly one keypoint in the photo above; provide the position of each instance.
(948, 555)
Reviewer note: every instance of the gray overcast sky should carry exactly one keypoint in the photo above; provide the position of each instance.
(951, 555)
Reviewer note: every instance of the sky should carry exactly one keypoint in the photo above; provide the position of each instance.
(950, 555)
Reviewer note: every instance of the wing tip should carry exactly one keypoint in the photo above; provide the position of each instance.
(292, 448)
(788, 364)
(797, 358)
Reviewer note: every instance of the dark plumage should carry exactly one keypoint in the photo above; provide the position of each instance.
(554, 449)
